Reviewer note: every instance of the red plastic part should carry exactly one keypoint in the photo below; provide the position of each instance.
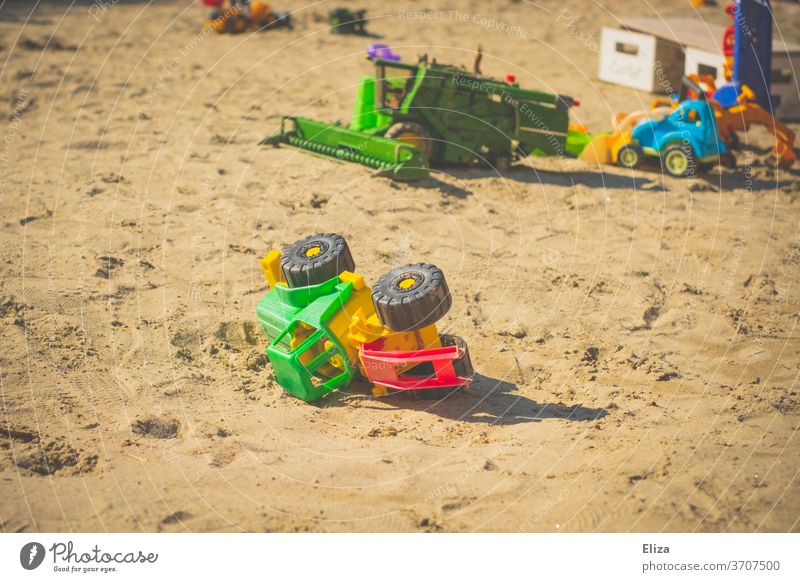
(212, 3)
(510, 79)
(728, 41)
(383, 367)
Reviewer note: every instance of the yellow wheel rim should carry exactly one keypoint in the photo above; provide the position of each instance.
(407, 283)
(628, 157)
(676, 162)
(313, 251)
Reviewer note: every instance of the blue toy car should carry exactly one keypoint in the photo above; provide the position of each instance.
(684, 139)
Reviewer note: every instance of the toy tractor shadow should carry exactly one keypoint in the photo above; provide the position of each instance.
(492, 401)
(596, 179)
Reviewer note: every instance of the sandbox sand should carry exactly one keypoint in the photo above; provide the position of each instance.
(635, 336)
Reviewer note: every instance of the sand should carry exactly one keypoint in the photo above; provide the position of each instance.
(635, 337)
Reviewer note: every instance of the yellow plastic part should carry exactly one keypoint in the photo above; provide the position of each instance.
(358, 323)
(271, 265)
(259, 10)
(355, 279)
(379, 390)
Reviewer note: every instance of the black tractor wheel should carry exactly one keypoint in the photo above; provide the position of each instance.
(315, 259)
(236, 24)
(630, 156)
(678, 161)
(413, 134)
(411, 297)
(462, 366)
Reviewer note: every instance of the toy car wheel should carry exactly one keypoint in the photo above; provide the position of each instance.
(629, 156)
(284, 20)
(678, 160)
(315, 259)
(237, 24)
(412, 134)
(462, 367)
(411, 297)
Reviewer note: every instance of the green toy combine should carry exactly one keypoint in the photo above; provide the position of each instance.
(407, 116)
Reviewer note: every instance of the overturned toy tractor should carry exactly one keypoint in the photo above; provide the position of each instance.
(407, 116)
(325, 327)
(243, 15)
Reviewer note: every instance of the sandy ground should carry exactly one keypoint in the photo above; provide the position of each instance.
(635, 337)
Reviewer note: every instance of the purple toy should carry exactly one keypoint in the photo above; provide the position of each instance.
(382, 51)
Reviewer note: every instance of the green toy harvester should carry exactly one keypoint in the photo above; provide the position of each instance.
(409, 116)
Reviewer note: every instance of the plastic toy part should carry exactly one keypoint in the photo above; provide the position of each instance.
(399, 160)
(308, 359)
(395, 370)
(382, 51)
(605, 148)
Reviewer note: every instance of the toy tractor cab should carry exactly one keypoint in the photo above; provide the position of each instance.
(325, 327)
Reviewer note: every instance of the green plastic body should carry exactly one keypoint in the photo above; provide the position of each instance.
(577, 141)
(280, 312)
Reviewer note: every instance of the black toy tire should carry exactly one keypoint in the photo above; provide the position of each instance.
(634, 151)
(425, 139)
(236, 24)
(315, 259)
(462, 366)
(411, 297)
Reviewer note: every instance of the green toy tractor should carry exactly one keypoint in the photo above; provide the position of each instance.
(407, 116)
